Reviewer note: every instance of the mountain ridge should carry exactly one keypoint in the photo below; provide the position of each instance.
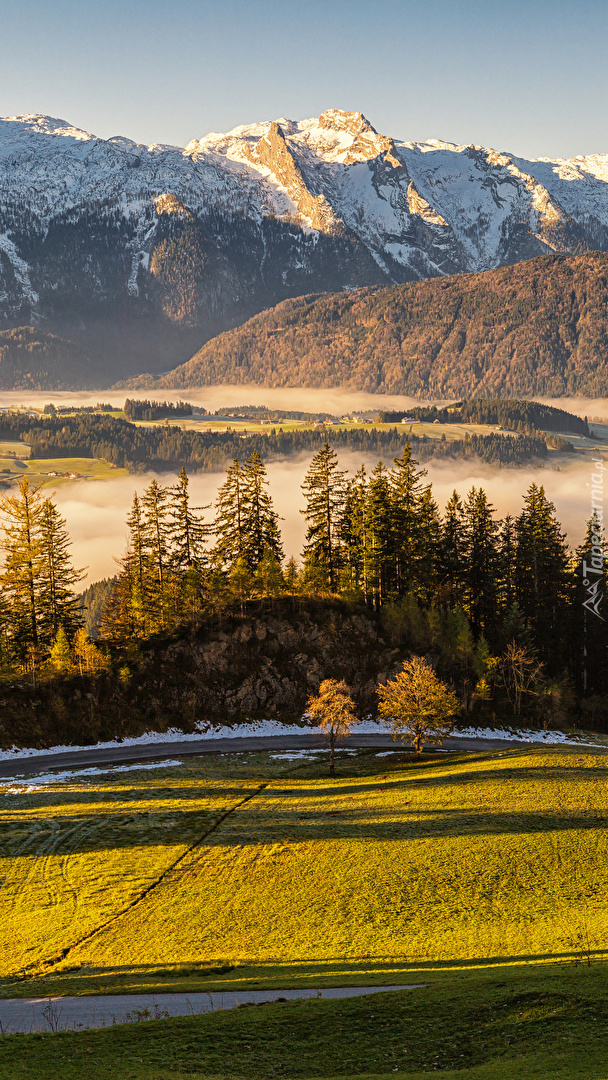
(140, 254)
(536, 328)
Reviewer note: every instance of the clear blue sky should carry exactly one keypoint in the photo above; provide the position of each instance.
(529, 77)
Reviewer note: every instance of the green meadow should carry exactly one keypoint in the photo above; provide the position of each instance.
(482, 875)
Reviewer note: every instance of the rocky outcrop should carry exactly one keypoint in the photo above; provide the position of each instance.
(246, 668)
(266, 666)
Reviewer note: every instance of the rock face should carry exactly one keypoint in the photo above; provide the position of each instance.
(264, 666)
(144, 252)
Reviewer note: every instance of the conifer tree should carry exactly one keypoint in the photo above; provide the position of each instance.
(260, 520)
(353, 534)
(379, 548)
(229, 524)
(589, 613)
(324, 490)
(429, 538)
(542, 573)
(187, 530)
(406, 482)
(60, 656)
(157, 540)
(23, 569)
(507, 554)
(452, 547)
(481, 561)
(60, 609)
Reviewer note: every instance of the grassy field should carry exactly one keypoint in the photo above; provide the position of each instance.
(149, 880)
(535, 1023)
(210, 423)
(37, 470)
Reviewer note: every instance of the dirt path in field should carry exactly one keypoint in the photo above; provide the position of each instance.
(22, 1015)
(116, 755)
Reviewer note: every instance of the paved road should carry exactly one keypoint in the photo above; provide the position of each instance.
(21, 1015)
(114, 755)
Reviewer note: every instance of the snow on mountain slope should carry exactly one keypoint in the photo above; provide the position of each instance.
(281, 208)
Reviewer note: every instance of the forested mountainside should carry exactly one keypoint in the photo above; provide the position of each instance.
(33, 360)
(140, 253)
(540, 327)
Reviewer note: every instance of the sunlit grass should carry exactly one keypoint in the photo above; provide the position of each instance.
(391, 867)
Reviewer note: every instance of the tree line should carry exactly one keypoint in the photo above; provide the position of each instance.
(525, 416)
(162, 448)
(497, 605)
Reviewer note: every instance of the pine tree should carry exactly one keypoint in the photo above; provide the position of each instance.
(542, 574)
(406, 483)
(482, 563)
(24, 566)
(324, 490)
(260, 520)
(157, 542)
(451, 556)
(60, 608)
(229, 524)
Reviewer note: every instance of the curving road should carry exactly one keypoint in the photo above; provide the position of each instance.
(22, 1015)
(116, 755)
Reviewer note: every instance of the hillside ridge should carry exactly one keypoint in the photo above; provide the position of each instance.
(539, 327)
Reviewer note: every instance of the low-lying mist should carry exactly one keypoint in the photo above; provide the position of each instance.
(96, 510)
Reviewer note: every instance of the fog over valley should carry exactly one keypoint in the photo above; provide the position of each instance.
(96, 510)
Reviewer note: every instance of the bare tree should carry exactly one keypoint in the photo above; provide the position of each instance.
(416, 704)
(519, 672)
(334, 711)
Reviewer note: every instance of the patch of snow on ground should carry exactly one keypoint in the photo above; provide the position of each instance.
(525, 735)
(274, 727)
(206, 731)
(7, 787)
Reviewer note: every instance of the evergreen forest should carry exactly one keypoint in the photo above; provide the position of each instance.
(496, 606)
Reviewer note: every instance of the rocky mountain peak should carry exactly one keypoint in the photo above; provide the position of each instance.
(353, 123)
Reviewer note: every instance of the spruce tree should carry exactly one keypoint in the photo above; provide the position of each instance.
(353, 535)
(22, 576)
(507, 548)
(589, 614)
(60, 609)
(324, 490)
(260, 521)
(379, 548)
(451, 555)
(229, 524)
(429, 539)
(157, 540)
(187, 530)
(406, 483)
(542, 574)
(481, 562)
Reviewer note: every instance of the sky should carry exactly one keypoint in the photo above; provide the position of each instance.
(529, 78)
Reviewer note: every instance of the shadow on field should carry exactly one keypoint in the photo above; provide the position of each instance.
(284, 819)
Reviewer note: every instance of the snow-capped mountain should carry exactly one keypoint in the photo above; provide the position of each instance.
(146, 251)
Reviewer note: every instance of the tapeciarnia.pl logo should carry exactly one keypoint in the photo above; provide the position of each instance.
(593, 571)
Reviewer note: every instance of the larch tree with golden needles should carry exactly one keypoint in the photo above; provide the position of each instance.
(333, 709)
(417, 705)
